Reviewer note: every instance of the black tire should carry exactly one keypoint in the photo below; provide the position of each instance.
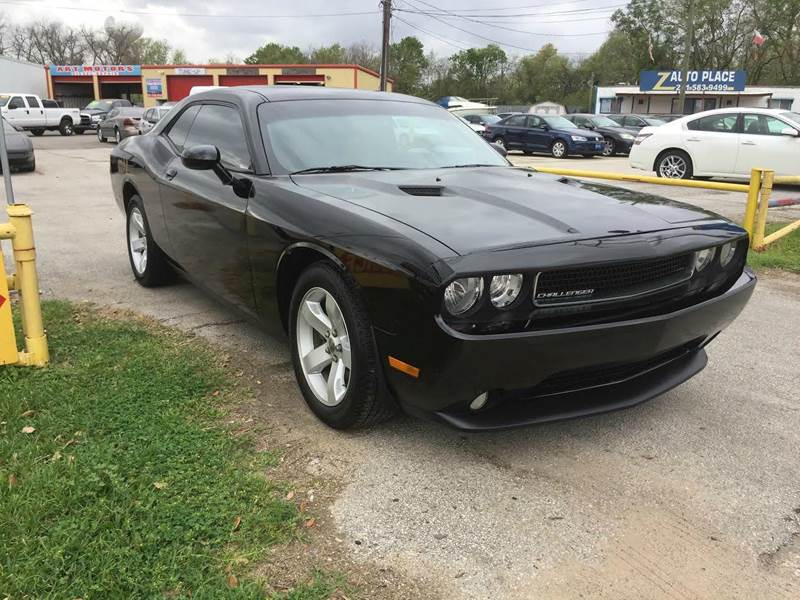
(609, 147)
(31, 168)
(527, 152)
(556, 149)
(363, 404)
(668, 165)
(588, 155)
(66, 127)
(157, 270)
(117, 136)
(100, 135)
(78, 131)
(37, 132)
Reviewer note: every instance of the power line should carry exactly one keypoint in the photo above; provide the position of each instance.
(194, 15)
(454, 43)
(539, 21)
(473, 10)
(435, 10)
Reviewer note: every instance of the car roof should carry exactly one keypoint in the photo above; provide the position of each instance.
(278, 93)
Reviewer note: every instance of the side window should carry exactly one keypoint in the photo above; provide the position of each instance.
(721, 123)
(33, 102)
(113, 114)
(49, 103)
(632, 122)
(179, 128)
(776, 126)
(580, 121)
(764, 125)
(16, 102)
(516, 121)
(534, 122)
(473, 118)
(222, 126)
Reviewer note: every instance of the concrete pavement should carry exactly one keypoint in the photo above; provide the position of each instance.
(693, 495)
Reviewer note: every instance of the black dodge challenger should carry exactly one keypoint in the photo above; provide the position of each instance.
(412, 266)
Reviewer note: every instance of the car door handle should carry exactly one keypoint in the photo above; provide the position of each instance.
(693, 140)
(171, 172)
(748, 143)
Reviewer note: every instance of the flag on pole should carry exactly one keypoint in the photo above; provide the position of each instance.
(650, 48)
(758, 39)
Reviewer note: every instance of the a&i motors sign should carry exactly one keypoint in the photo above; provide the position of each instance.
(697, 81)
(104, 70)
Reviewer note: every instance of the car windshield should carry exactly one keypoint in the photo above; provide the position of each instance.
(98, 105)
(490, 119)
(653, 122)
(559, 122)
(792, 116)
(603, 122)
(311, 134)
(4, 98)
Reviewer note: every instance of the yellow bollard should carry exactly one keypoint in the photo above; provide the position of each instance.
(8, 337)
(752, 201)
(36, 352)
(761, 218)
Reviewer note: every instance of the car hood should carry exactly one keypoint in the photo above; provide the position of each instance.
(476, 209)
(587, 133)
(94, 111)
(610, 129)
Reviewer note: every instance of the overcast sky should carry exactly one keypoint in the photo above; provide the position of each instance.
(239, 26)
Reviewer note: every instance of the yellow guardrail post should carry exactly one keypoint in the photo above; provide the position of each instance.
(752, 201)
(36, 352)
(757, 240)
(8, 337)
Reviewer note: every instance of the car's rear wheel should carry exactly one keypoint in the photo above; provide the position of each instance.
(558, 149)
(148, 263)
(609, 147)
(333, 350)
(37, 132)
(66, 127)
(100, 135)
(674, 164)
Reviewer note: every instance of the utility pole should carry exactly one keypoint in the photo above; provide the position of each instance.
(387, 17)
(687, 54)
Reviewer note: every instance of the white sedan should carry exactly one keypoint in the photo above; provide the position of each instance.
(728, 142)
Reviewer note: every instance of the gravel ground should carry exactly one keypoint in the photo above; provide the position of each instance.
(693, 495)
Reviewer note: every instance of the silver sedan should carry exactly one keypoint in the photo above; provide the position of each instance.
(120, 123)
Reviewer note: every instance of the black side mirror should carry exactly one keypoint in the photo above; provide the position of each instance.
(200, 158)
(545, 126)
(499, 149)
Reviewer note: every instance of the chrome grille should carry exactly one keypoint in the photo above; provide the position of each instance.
(603, 283)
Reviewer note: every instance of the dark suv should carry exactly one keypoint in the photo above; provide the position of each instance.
(97, 110)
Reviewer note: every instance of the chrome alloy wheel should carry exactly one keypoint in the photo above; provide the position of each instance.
(673, 166)
(117, 136)
(137, 241)
(608, 147)
(559, 149)
(323, 346)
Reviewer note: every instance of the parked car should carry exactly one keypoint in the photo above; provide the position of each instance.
(727, 142)
(476, 127)
(544, 133)
(120, 123)
(20, 149)
(27, 111)
(482, 119)
(616, 138)
(96, 111)
(505, 115)
(431, 275)
(152, 116)
(636, 122)
(669, 118)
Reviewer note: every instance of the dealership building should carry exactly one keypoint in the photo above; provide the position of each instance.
(150, 85)
(658, 92)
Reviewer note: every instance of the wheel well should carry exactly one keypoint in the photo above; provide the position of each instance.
(291, 265)
(65, 118)
(668, 150)
(128, 190)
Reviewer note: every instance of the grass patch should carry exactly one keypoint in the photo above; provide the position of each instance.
(783, 254)
(128, 487)
(320, 586)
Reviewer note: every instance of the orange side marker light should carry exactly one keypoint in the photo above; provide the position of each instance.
(403, 367)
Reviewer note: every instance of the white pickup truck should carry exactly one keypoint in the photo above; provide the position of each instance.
(28, 111)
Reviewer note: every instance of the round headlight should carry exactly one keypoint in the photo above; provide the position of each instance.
(726, 253)
(504, 289)
(462, 294)
(702, 258)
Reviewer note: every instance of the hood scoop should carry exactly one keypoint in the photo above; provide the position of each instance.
(422, 190)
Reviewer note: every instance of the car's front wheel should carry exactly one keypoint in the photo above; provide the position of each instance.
(148, 263)
(609, 147)
(500, 141)
(674, 164)
(66, 127)
(333, 350)
(558, 149)
(100, 135)
(117, 135)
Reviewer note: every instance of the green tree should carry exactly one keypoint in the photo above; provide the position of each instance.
(152, 52)
(406, 64)
(334, 54)
(178, 57)
(475, 69)
(276, 54)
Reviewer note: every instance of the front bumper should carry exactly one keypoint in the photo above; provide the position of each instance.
(623, 146)
(539, 376)
(592, 148)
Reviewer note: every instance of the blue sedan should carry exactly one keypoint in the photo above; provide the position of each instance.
(544, 133)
